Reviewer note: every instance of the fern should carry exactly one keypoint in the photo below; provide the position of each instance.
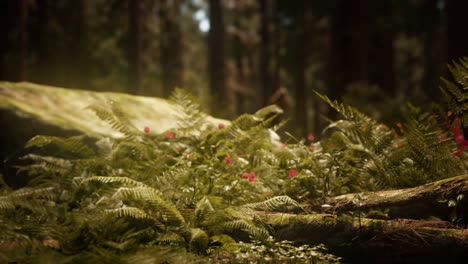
(72, 145)
(257, 233)
(116, 119)
(192, 116)
(455, 93)
(273, 204)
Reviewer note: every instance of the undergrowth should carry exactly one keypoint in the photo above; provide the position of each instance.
(191, 194)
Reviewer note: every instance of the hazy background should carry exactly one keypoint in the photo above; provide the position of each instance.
(235, 54)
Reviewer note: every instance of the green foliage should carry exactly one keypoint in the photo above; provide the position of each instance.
(195, 191)
(455, 93)
(182, 191)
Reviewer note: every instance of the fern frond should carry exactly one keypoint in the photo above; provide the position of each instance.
(152, 196)
(348, 112)
(255, 232)
(276, 203)
(128, 211)
(71, 145)
(198, 241)
(192, 115)
(122, 180)
(203, 210)
(456, 93)
(124, 127)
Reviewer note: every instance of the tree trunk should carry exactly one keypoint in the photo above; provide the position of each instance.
(382, 50)
(300, 113)
(265, 50)
(349, 46)
(216, 58)
(432, 66)
(171, 46)
(456, 35)
(134, 47)
(23, 17)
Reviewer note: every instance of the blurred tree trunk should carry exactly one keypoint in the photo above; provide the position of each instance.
(349, 45)
(240, 91)
(216, 59)
(171, 45)
(382, 71)
(8, 20)
(266, 83)
(39, 33)
(430, 23)
(134, 47)
(23, 22)
(302, 39)
(456, 31)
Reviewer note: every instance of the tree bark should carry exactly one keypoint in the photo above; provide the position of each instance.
(216, 58)
(364, 240)
(171, 46)
(456, 20)
(349, 46)
(23, 17)
(300, 114)
(134, 47)
(265, 50)
(444, 199)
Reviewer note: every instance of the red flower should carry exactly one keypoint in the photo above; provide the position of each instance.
(228, 160)
(245, 175)
(252, 176)
(146, 129)
(220, 125)
(292, 173)
(169, 134)
(310, 137)
(311, 148)
(457, 153)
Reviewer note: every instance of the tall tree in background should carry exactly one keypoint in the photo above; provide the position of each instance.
(23, 22)
(134, 46)
(171, 45)
(216, 55)
(266, 75)
(349, 45)
(382, 49)
(431, 21)
(8, 21)
(456, 31)
(302, 10)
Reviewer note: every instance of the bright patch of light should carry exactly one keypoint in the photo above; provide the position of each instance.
(204, 25)
(203, 21)
(200, 15)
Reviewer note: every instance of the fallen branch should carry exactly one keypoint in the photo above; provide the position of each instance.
(445, 199)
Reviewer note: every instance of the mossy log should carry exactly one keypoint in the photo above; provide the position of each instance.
(373, 240)
(445, 199)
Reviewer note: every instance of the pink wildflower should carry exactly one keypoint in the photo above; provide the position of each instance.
(228, 160)
(220, 125)
(146, 130)
(310, 137)
(252, 176)
(292, 173)
(245, 175)
(169, 134)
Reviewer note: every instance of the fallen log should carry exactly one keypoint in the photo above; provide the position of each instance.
(363, 240)
(445, 199)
